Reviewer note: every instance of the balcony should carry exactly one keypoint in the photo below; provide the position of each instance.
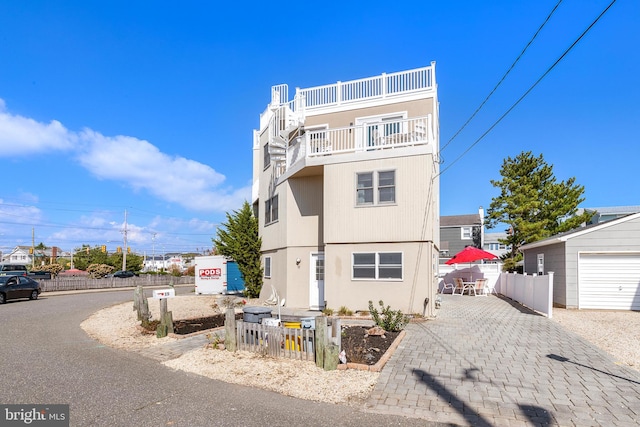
(368, 137)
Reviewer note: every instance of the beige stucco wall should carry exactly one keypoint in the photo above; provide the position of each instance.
(407, 295)
(346, 118)
(402, 221)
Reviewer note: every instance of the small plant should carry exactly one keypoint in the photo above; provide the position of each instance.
(215, 341)
(344, 311)
(231, 302)
(364, 313)
(387, 319)
(327, 311)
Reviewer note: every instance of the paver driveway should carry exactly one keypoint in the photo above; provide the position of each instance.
(486, 361)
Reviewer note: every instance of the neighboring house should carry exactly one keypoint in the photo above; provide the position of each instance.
(492, 244)
(596, 267)
(346, 190)
(459, 231)
(29, 256)
(155, 263)
(608, 213)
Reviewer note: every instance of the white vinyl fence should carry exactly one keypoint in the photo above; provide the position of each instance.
(532, 291)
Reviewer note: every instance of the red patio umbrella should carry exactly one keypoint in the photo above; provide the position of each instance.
(470, 254)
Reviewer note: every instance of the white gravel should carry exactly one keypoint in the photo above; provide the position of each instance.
(116, 326)
(616, 332)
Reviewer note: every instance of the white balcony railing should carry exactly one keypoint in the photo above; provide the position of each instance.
(366, 137)
(382, 86)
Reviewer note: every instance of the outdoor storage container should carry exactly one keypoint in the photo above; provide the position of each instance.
(308, 322)
(255, 314)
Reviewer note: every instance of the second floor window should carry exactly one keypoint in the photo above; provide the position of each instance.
(466, 233)
(271, 210)
(374, 188)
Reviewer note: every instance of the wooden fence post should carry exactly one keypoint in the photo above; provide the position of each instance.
(321, 338)
(230, 330)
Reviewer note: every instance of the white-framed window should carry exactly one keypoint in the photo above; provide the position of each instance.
(318, 138)
(378, 129)
(267, 267)
(376, 266)
(375, 188)
(271, 210)
(466, 233)
(540, 264)
(266, 156)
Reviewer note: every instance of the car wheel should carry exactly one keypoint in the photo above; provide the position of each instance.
(34, 295)
(2, 298)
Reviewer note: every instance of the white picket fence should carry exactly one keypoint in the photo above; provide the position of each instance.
(276, 341)
(532, 291)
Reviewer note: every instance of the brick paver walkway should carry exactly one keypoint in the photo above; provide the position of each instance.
(490, 362)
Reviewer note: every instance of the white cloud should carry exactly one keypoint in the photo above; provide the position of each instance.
(137, 163)
(22, 136)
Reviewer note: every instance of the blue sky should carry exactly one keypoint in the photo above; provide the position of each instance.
(149, 107)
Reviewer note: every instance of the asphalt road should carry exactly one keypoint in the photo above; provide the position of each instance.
(46, 358)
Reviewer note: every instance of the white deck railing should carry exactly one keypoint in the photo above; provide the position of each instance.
(381, 86)
(365, 137)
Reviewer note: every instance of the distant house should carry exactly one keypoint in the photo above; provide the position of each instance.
(28, 255)
(607, 213)
(492, 244)
(460, 231)
(595, 267)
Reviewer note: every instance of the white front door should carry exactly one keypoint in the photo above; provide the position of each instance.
(316, 281)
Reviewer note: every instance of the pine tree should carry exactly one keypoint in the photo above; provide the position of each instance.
(532, 203)
(238, 239)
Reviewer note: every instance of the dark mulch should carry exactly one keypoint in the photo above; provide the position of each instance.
(367, 350)
(358, 347)
(189, 326)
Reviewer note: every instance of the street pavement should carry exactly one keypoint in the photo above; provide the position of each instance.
(487, 361)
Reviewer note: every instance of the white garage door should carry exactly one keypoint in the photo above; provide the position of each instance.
(609, 281)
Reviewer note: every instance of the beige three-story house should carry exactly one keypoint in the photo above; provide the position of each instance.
(346, 191)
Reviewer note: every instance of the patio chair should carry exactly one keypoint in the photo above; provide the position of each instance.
(490, 287)
(446, 286)
(459, 285)
(480, 288)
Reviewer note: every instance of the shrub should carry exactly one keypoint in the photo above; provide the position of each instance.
(387, 319)
(98, 271)
(327, 311)
(344, 311)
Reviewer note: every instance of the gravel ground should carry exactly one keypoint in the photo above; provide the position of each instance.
(616, 332)
(116, 326)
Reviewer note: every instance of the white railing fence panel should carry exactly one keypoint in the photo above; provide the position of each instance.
(532, 291)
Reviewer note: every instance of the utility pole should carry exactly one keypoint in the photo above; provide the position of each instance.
(33, 247)
(153, 243)
(124, 249)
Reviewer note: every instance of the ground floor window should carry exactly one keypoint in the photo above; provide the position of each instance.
(377, 265)
(267, 267)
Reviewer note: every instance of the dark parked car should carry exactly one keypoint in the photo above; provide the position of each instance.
(15, 287)
(124, 274)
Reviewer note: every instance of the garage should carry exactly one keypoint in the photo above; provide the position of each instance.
(609, 281)
(596, 266)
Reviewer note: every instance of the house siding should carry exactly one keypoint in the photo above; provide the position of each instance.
(400, 221)
(562, 257)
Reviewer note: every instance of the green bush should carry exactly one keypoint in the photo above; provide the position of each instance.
(387, 319)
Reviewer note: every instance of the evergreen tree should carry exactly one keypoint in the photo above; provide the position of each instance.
(238, 239)
(533, 204)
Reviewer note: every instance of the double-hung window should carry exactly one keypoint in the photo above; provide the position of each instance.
(375, 188)
(377, 266)
(271, 210)
(466, 233)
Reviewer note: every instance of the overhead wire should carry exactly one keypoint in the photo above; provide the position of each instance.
(530, 89)
(504, 76)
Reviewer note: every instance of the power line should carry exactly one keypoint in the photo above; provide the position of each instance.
(530, 88)
(503, 77)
